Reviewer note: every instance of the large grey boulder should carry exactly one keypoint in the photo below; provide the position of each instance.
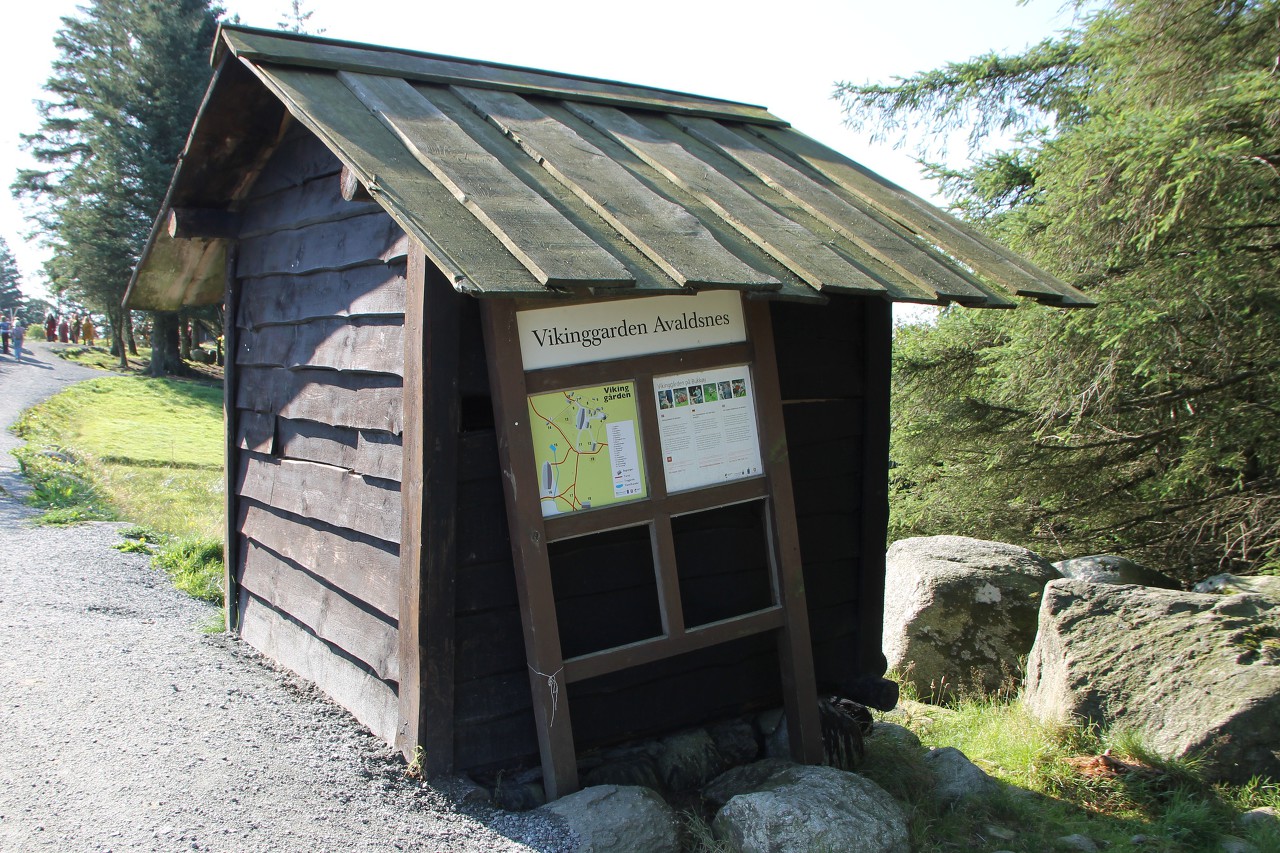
(960, 611)
(1110, 568)
(813, 808)
(1190, 673)
(618, 819)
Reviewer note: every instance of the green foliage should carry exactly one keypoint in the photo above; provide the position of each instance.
(1147, 172)
(11, 298)
(195, 567)
(127, 82)
(61, 486)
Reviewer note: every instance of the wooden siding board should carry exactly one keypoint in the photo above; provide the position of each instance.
(666, 232)
(370, 699)
(300, 158)
(475, 261)
(962, 241)
(373, 290)
(323, 610)
(784, 239)
(327, 246)
(271, 48)
(314, 203)
(357, 401)
(366, 568)
(367, 345)
(324, 493)
(368, 452)
(256, 432)
(557, 253)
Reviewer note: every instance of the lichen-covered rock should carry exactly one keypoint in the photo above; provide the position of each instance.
(813, 808)
(1267, 586)
(1110, 568)
(618, 819)
(688, 760)
(960, 611)
(892, 736)
(742, 780)
(1190, 673)
(956, 778)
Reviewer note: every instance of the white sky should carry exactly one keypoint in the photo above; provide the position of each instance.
(785, 57)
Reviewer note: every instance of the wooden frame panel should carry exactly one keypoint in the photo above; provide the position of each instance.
(530, 534)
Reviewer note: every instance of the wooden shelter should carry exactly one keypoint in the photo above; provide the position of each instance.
(454, 291)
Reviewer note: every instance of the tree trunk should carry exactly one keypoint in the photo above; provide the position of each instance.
(166, 359)
(184, 335)
(114, 320)
(128, 325)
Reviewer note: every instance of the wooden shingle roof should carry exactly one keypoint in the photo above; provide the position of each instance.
(525, 183)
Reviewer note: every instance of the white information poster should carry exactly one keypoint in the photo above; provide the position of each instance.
(707, 426)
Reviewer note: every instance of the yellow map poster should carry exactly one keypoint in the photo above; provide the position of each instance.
(586, 447)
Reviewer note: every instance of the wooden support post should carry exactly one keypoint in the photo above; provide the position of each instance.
(878, 332)
(231, 447)
(528, 547)
(351, 187)
(428, 554)
(795, 651)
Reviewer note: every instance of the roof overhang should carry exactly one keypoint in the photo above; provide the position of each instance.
(525, 183)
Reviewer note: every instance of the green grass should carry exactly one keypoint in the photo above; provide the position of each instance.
(100, 356)
(1057, 786)
(136, 449)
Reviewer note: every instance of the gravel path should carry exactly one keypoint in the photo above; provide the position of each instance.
(125, 727)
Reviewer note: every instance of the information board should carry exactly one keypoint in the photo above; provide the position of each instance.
(707, 426)
(586, 447)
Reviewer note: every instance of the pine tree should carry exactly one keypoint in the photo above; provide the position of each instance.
(127, 82)
(11, 298)
(1148, 172)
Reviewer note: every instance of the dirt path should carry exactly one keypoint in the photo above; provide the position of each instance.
(124, 727)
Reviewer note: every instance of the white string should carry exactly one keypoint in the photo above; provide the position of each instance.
(555, 691)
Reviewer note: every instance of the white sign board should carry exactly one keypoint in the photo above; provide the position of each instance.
(623, 328)
(707, 426)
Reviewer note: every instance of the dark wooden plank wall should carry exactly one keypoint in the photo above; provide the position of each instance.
(823, 375)
(318, 420)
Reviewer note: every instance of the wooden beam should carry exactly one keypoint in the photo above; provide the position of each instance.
(231, 449)
(795, 649)
(190, 223)
(878, 345)
(529, 552)
(428, 576)
(351, 187)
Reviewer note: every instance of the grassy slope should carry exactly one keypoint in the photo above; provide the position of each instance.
(141, 450)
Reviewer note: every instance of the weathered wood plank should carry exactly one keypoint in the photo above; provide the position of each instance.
(299, 159)
(431, 68)
(373, 290)
(357, 401)
(366, 568)
(256, 432)
(668, 234)
(350, 187)
(327, 246)
(324, 493)
(370, 699)
(368, 452)
(313, 203)
(785, 240)
(233, 420)
(556, 252)
(990, 259)
(935, 274)
(429, 557)
(324, 611)
(367, 345)
(490, 643)
(878, 334)
(475, 261)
